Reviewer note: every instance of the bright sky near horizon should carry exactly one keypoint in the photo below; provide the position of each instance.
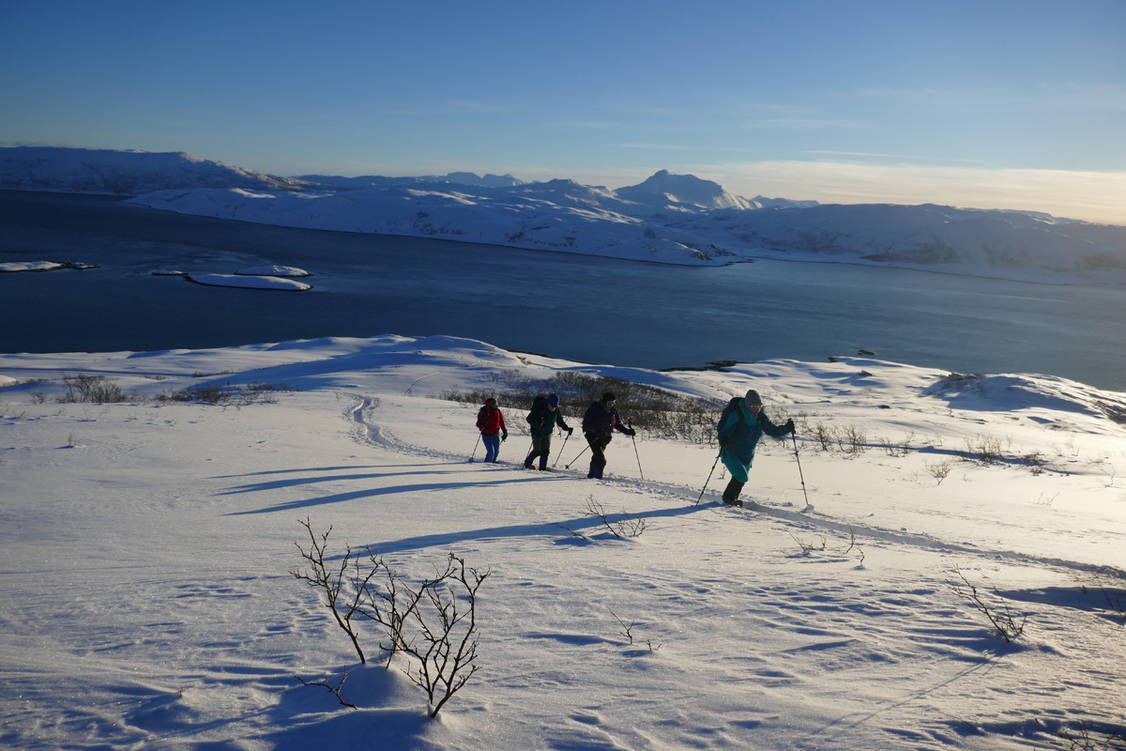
(995, 104)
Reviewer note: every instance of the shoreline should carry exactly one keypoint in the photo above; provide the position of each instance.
(1040, 278)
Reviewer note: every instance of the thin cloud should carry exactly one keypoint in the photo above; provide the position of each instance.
(870, 155)
(805, 123)
(1093, 196)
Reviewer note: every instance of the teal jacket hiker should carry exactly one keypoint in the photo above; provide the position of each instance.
(739, 433)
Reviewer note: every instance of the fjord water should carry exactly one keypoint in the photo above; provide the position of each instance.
(572, 306)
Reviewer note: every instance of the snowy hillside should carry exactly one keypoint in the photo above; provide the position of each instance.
(148, 547)
(560, 215)
(668, 221)
(122, 172)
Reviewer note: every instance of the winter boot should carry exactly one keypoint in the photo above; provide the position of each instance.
(732, 491)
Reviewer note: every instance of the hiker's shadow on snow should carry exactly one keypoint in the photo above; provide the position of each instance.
(313, 469)
(566, 530)
(255, 487)
(356, 495)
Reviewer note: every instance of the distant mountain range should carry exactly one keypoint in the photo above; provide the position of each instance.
(668, 218)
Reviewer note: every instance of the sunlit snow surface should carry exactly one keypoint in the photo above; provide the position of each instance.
(30, 266)
(249, 282)
(146, 550)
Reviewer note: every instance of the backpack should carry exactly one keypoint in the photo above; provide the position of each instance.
(732, 406)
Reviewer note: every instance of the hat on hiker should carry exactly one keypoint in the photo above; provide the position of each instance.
(490, 402)
(752, 398)
(609, 397)
(552, 400)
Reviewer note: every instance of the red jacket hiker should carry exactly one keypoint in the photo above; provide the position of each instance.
(490, 420)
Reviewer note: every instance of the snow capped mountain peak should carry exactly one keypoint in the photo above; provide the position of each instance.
(686, 191)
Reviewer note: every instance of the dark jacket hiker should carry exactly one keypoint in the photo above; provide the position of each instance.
(599, 423)
(542, 420)
(739, 429)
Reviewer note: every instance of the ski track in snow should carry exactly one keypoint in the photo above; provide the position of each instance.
(367, 431)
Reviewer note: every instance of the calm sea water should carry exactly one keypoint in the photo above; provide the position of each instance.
(576, 307)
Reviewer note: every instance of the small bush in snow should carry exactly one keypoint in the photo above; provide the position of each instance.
(432, 624)
(225, 394)
(1006, 624)
(91, 389)
(343, 587)
(852, 441)
(825, 436)
(939, 470)
(622, 528)
(984, 449)
(805, 547)
(898, 450)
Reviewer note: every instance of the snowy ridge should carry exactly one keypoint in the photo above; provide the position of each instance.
(149, 542)
(123, 172)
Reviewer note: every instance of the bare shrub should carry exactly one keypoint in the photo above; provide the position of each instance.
(337, 690)
(825, 436)
(433, 624)
(225, 394)
(622, 528)
(852, 441)
(897, 450)
(1035, 462)
(1005, 623)
(343, 587)
(1086, 738)
(806, 547)
(444, 643)
(853, 546)
(939, 470)
(91, 389)
(984, 449)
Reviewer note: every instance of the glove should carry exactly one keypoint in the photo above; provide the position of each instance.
(790, 426)
(631, 432)
(504, 437)
(570, 431)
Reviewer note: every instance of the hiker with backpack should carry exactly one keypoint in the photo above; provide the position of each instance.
(739, 429)
(542, 420)
(490, 421)
(599, 423)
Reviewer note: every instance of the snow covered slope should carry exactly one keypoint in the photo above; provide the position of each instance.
(147, 547)
(560, 215)
(122, 172)
(565, 216)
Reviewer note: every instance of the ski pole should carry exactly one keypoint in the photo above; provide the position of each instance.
(707, 480)
(568, 466)
(800, 474)
(475, 445)
(561, 450)
(634, 439)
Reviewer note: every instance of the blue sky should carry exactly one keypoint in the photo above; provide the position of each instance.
(988, 104)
